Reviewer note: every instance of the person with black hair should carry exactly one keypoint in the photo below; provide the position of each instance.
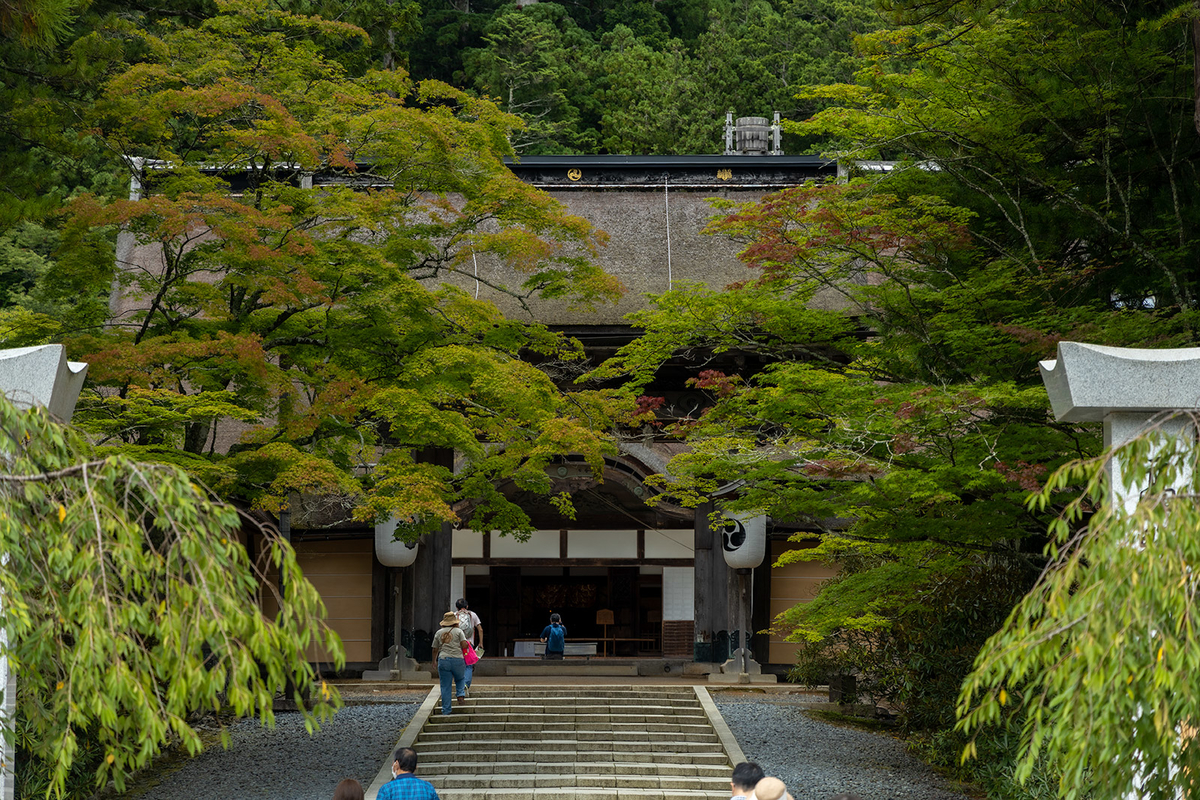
(555, 637)
(404, 785)
(746, 776)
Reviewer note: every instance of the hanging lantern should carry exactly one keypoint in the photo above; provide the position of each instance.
(744, 540)
(390, 551)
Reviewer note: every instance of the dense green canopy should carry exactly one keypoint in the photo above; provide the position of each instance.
(1028, 174)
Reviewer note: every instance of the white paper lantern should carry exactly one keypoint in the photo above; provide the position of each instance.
(389, 551)
(744, 540)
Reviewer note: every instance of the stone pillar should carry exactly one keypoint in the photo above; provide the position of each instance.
(32, 376)
(1130, 391)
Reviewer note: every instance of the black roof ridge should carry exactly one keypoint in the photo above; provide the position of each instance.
(643, 161)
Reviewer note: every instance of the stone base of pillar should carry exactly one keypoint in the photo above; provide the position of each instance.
(397, 667)
(735, 678)
(734, 664)
(731, 671)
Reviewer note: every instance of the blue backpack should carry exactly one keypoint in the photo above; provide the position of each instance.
(556, 642)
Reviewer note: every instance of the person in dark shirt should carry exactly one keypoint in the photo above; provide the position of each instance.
(555, 637)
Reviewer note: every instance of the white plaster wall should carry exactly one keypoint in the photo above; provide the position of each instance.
(542, 544)
(678, 588)
(456, 584)
(670, 544)
(602, 544)
(466, 543)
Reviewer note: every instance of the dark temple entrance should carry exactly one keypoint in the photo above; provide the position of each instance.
(515, 604)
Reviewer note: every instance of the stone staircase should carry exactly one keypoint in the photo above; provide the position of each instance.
(582, 743)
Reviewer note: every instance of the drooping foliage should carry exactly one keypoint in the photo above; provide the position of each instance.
(130, 603)
(1095, 665)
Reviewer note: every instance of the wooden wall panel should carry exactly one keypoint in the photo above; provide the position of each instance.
(342, 572)
(790, 585)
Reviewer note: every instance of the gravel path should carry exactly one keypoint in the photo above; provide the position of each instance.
(818, 760)
(285, 763)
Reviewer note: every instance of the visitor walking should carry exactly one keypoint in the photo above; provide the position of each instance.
(472, 628)
(450, 645)
(745, 777)
(404, 785)
(770, 788)
(348, 789)
(555, 637)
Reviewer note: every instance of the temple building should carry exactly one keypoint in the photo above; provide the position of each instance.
(639, 581)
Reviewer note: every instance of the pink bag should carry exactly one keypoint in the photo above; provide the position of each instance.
(470, 656)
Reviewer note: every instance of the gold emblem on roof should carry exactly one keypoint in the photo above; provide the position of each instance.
(574, 173)
(724, 174)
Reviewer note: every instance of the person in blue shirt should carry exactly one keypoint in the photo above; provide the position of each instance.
(555, 637)
(404, 785)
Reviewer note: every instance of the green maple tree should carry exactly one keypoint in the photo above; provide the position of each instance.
(896, 421)
(308, 314)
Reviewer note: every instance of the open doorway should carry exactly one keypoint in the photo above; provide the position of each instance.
(515, 603)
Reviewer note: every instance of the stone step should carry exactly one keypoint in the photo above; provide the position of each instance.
(464, 731)
(489, 717)
(586, 691)
(489, 713)
(580, 793)
(541, 699)
(583, 702)
(571, 745)
(552, 779)
(471, 725)
(578, 743)
(583, 693)
(486, 713)
(451, 765)
(582, 670)
(536, 756)
(580, 740)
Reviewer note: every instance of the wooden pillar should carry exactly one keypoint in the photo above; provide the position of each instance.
(381, 593)
(408, 584)
(431, 581)
(760, 643)
(712, 585)
(431, 570)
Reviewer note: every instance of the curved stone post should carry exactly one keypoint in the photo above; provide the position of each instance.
(32, 376)
(1130, 391)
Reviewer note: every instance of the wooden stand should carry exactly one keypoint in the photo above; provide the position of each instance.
(604, 618)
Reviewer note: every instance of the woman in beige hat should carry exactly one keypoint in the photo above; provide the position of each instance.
(771, 789)
(449, 644)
